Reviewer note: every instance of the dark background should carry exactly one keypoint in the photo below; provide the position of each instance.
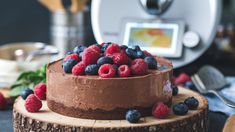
(23, 21)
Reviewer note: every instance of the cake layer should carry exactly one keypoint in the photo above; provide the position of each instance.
(96, 98)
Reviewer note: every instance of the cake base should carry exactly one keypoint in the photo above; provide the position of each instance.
(46, 120)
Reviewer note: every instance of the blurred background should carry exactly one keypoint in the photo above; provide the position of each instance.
(31, 21)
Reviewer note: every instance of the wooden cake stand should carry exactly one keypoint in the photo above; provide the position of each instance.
(46, 120)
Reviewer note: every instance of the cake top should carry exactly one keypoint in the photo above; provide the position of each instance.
(110, 60)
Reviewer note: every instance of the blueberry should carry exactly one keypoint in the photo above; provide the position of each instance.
(25, 93)
(79, 49)
(180, 109)
(191, 102)
(136, 48)
(98, 45)
(124, 47)
(69, 53)
(131, 53)
(133, 116)
(175, 90)
(68, 65)
(80, 54)
(104, 60)
(140, 54)
(115, 67)
(151, 61)
(92, 69)
(105, 46)
(189, 84)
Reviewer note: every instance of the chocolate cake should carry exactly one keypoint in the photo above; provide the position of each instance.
(93, 97)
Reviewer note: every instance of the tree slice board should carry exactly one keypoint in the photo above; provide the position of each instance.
(46, 120)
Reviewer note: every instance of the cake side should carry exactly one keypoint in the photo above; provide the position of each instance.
(106, 98)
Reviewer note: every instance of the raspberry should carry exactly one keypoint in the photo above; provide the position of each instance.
(124, 71)
(32, 103)
(90, 56)
(95, 47)
(112, 48)
(147, 53)
(3, 102)
(120, 58)
(79, 69)
(40, 91)
(182, 78)
(106, 71)
(72, 56)
(160, 110)
(139, 67)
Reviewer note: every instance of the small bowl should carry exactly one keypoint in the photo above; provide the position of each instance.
(10, 68)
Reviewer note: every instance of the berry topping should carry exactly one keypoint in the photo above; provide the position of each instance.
(90, 56)
(191, 102)
(112, 48)
(151, 61)
(25, 93)
(92, 69)
(40, 91)
(69, 53)
(124, 71)
(68, 65)
(133, 116)
(95, 47)
(147, 53)
(3, 102)
(104, 60)
(120, 58)
(79, 69)
(175, 90)
(116, 68)
(139, 67)
(32, 103)
(160, 110)
(182, 78)
(104, 46)
(180, 109)
(136, 48)
(106, 71)
(79, 49)
(72, 56)
(140, 54)
(80, 55)
(131, 53)
(123, 47)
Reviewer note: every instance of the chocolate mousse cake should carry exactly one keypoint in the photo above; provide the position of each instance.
(80, 93)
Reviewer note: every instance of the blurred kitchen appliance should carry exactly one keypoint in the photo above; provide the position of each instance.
(200, 17)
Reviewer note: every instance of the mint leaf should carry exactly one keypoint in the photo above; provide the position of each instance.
(16, 91)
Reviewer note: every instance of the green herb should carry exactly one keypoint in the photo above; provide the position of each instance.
(28, 79)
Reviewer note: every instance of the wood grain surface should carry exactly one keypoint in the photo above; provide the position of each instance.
(46, 120)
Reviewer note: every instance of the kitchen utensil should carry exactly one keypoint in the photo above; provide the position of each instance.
(78, 5)
(53, 5)
(10, 68)
(156, 7)
(210, 80)
(107, 28)
(20, 54)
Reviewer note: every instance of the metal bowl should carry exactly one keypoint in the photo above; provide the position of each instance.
(11, 67)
